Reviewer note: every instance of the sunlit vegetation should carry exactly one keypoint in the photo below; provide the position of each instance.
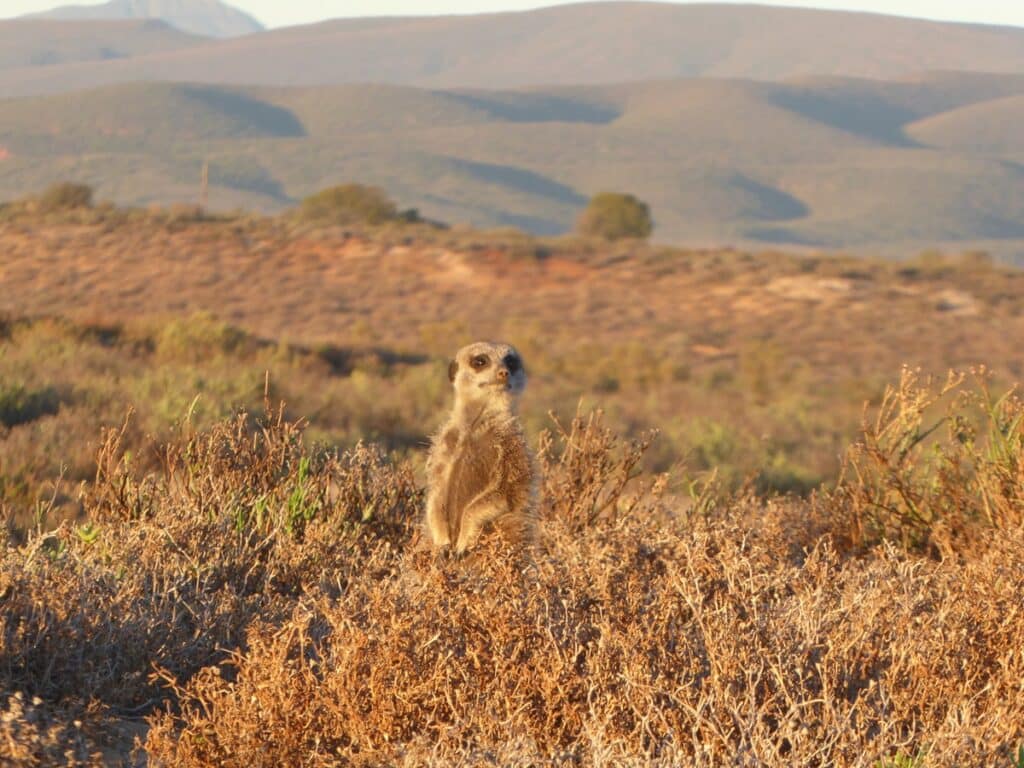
(764, 537)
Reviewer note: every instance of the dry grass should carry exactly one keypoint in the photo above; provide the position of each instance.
(251, 590)
(899, 483)
(271, 606)
(754, 366)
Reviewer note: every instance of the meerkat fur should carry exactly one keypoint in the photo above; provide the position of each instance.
(480, 471)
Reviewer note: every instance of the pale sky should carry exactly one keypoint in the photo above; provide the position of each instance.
(277, 13)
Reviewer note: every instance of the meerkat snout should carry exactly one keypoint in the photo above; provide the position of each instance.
(480, 469)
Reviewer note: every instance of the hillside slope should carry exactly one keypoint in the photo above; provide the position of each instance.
(210, 18)
(992, 127)
(27, 44)
(823, 163)
(582, 43)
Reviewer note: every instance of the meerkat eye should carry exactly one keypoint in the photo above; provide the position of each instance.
(512, 363)
(480, 362)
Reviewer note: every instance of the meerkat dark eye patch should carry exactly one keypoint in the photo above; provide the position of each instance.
(480, 362)
(513, 363)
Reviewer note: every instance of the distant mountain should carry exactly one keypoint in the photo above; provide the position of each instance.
(210, 18)
(588, 43)
(32, 43)
(823, 163)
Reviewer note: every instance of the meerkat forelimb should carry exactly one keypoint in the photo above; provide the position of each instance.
(480, 471)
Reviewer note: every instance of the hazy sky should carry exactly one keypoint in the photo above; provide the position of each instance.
(277, 13)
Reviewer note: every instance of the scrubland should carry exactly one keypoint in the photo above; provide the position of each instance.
(774, 529)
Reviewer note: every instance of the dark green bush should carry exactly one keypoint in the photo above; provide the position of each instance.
(66, 196)
(614, 216)
(199, 338)
(19, 405)
(351, 204)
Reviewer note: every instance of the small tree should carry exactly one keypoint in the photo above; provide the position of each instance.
(614, 216)
(350, 204)
(66, 196)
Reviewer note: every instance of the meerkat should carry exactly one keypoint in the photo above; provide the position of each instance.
(480, 471)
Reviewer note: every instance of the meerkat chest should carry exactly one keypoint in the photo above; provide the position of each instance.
(474, 465)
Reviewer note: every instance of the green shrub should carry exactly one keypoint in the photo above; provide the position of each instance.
(615, 216)
(20, 405)
(66, 196)
(781, 475)
(352, 204)
(198, 338)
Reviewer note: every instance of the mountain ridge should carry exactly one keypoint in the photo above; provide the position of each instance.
(564, 45)
(210, 18)
(37, 44)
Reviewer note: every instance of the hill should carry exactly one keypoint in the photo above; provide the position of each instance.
(27, 44)
(210, 18)
(834, 163)
(237, 560)
(587, 43)
(354, 325)
(991, 127)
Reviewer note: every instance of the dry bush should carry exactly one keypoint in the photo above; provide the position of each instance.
(19, 405)
(632, 638)
(745, 376)
(586, 477)
(655, 646)
(274, 608)
(931, 479)
(171, 567)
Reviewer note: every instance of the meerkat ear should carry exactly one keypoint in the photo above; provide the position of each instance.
(453, 368)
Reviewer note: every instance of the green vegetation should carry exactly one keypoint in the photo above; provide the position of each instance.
(614, 216)
(65, 196)
(352, 204)
(19, 405)
(82, 378)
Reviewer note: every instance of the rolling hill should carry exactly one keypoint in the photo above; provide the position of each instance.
(30, 44)
(586, 43)
(992, 127)
(210, 18)
(833, 163)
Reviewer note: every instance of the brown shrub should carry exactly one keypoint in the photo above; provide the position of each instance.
(586, 477)
(931, 489)
(171, 568)
(656, 645)
(271, 604)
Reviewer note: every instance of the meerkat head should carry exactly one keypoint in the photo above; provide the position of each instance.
(487, 372)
